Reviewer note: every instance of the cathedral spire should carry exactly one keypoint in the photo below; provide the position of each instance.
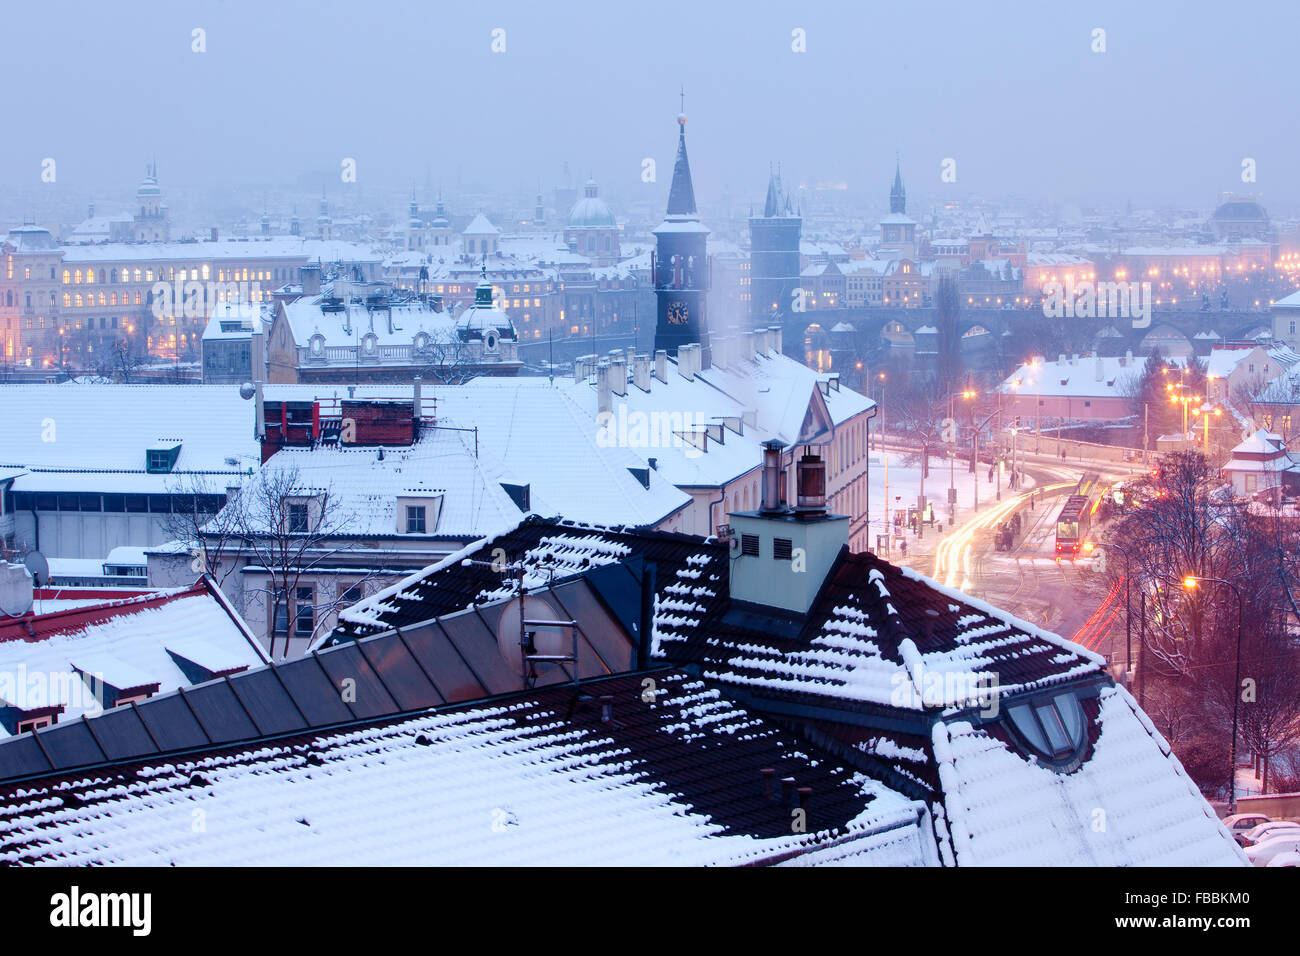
(681, 195)
(897, 195)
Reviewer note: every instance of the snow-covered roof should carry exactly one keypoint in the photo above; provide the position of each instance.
(1080, 379)
(129, 643)
(480, 226)
(93, 437)
(534, 435)
(530, 780)
(364, 488)
(1129, 804)
(278, 247)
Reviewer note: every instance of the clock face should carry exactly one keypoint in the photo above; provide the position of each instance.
(678, 313)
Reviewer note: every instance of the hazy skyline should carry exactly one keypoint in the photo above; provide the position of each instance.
(1012, 92)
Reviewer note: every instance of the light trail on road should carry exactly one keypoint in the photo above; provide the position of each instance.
(952, 559)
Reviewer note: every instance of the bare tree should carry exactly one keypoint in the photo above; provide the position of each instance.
(201, 520)
(448, 358)
(290, 529)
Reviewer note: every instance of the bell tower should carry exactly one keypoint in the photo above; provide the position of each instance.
(681, 267)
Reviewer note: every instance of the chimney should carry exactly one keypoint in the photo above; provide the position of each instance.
(760, 341)
(257, 351)
(641, 372)
(214, 233)
(1101, 369)
(418, 406)
(722, 350)
(1128, 358)
(618, 375)
(1060, 359)
(776, 339)
(661, 365)
(686, 362)
(603, 401)
(606, 708)
(1074, 358)
(746, 346)
(773, 478)
(309, 278)
(768, 776)
(260, 413)
(805, 796)
(787, 791)
(810, 485)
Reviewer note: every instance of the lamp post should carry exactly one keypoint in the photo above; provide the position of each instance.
(952, 455)
(1189, 583)
(885, 455)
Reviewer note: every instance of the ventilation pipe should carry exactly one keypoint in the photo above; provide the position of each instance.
(641, 372)
(603, 401)
(661, 365)
(773, 501)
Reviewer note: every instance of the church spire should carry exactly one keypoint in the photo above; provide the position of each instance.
(897, 195)
(681, 195)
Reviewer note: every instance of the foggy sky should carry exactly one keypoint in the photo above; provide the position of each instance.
(412, 91)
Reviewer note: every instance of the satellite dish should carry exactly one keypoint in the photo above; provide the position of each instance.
(550, 641)
(39, 567)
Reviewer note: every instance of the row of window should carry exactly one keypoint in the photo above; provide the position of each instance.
(136, 504)
(170, 274)
(302, 610)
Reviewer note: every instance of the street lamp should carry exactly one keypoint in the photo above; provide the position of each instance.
(1189, 583)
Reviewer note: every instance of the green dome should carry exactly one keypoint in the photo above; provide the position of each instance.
(591, 212)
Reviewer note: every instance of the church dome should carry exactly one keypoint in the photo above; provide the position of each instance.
(591, 212)
(1237, 210)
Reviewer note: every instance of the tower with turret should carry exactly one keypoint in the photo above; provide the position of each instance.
(773, 254)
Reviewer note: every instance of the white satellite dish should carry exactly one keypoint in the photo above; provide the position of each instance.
(39, 567)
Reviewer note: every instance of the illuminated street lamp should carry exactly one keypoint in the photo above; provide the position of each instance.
(1189, 583)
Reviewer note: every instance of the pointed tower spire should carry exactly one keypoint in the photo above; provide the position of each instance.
(681, 194)
(897, 195)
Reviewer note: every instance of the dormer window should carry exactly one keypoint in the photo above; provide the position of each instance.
(297, 521)
(161, 459)
(417, 512)
(415, 519)
(1053, 728)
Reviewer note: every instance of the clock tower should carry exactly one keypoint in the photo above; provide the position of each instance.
(681, 266)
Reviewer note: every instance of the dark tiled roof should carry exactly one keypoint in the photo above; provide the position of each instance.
(682, 750)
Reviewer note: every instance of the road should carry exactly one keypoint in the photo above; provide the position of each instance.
(1061, 594)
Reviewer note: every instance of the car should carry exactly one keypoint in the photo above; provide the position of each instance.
(1239, 823)
(1266, 830)
(1262, 854)
(1285, 859)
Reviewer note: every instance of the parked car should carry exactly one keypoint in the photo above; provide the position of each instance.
(1267, 830)
(1239, 823)
(1262, 854)
(1285, 859)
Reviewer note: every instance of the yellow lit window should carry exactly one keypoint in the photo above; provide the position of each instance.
(67, 276)
(207, 271)
(67, 300)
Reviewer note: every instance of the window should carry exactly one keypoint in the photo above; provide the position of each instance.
(1052, 726)
(749, 545)
(298, 518)
(415, 519)
(281, 618)
(305, 616)
(351, 596)
(35, 723)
